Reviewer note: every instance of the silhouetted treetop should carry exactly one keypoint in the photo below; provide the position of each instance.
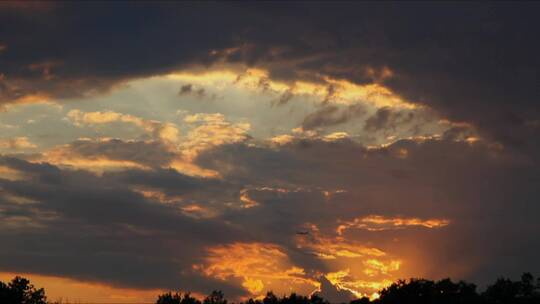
(216, 297)
(177, 298)
(420, 291)
(20, 291)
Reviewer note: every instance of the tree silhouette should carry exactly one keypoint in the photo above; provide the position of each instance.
(20, 291)
(362, 300)
(506, 291)
(413, 291)
(177, 298)
(421, 291)
(270, 298)
(169, 298)
(417, 291)
(216, 297)
(315, 299)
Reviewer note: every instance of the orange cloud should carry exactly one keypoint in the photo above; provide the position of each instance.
(328, 248)
(282, 139)
(258, 266)
(17, 143)
(380, 223)
(360, 269)
(11, 174)
(190, 209)
(212, 130)
(343, 279)
(330, 89)
(35, 98)
(247, 201)
(165, 131)
(63, 156)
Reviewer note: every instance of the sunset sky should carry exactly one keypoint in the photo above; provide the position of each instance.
(309, 147)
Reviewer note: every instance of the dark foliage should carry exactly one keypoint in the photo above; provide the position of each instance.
(177, 298)
(420, 291)
(417, 291)
(20, 291)
(505, 291)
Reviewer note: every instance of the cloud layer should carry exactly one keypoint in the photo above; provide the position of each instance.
(329, 147)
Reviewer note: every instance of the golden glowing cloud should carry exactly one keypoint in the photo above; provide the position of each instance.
(207, 131)
(344, 280)
(211, 130)
(37, 98)
(246, 200)
(165, 131)
(198, 211)
(63, 156)
(282, 139)
(380, 223)
(329, 248)
(11, 174)
(17, 143)
(258, 266)
(335, 136)
(300, 133)
(329, 89)
(190, 209)
(355, 267)
(187, 167)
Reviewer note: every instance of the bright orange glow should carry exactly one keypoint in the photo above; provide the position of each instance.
(73, 291)
(332, 248)
(380, 223)
(355, 267)
(259, 267)
(360, 288)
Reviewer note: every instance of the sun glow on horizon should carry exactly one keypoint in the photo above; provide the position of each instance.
(69, 290)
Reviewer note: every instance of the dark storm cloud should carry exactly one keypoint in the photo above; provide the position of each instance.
(480, 188)
(188, 89)
(152, 154)
(87, 223)
(387, 118)
(331, 115)
(481, 69)
(90, 47)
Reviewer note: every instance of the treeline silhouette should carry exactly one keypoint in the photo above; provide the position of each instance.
(414, 291)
